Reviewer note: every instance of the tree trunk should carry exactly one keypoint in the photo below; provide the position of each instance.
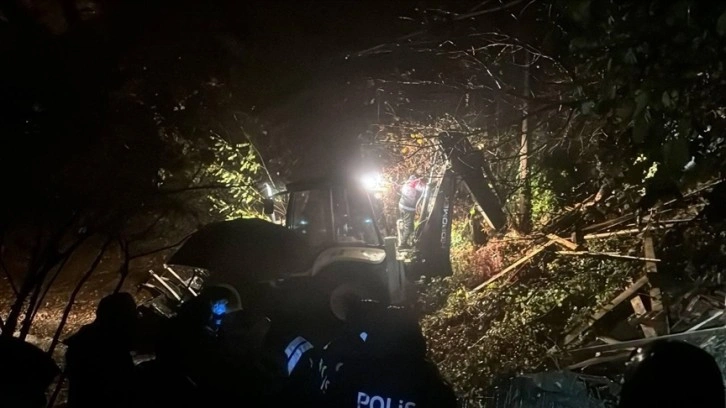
(525, 195)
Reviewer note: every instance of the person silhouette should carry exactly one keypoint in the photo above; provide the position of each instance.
(99, 364)
(380, 360)
(26, 372)
(672, 374)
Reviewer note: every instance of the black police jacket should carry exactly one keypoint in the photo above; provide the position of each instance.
(352, 372)
(385, 383)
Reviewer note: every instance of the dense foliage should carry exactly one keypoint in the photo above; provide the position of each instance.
(146, 131)
(623, 113)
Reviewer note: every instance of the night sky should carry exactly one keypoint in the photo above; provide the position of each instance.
(283, 61)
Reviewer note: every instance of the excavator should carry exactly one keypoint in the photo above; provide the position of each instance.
(337, 218)
(299, 276)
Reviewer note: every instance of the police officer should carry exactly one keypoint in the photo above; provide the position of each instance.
(288, 362)
(380, 361)
(196, 363)
(99, 364)
(26, 373)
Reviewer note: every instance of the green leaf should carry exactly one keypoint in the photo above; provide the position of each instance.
(666, 99)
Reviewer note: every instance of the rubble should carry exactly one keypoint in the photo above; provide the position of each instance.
(585, 350)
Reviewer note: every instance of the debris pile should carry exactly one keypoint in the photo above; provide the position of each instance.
(666, 298)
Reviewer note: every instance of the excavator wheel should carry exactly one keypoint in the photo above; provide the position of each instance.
(349, 284)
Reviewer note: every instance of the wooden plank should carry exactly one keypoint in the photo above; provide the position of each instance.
(705, 322)
(624, 295)
(608, 340)
(631, 231)
(640, 311)
(695, 192)
(612, 234)
(630, 344)
(598, 360)
(608, 224)
(566, 243)
(607, 255)
(638, 306)
(513, 266)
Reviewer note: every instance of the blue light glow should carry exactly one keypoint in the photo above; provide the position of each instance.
(219, 307)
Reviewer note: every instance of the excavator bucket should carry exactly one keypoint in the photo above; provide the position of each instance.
(468, 163)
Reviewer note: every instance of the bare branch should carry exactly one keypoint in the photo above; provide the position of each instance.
(164, 248)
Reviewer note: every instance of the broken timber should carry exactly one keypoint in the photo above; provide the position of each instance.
(566, 243)
(627, 293)
(607, 255)
(632, 231)
(641, 311)
(515, 265)
(630, 344)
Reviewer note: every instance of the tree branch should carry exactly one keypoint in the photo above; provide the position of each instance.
(74, 295)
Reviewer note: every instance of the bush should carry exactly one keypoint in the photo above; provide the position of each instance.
(508, 328)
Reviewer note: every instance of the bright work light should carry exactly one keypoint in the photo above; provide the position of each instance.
(372, 181)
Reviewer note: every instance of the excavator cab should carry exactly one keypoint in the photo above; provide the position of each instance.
(336, 218)
(327, 213)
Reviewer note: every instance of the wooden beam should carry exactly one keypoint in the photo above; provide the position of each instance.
(607, 255)
(608, 340)
(705, 322)
(612, 234)
(640, 311)
(624, 295)
(631, 231)
(638, 306)
(513, 266)
(608, 224)
(566, 243)
(598, 360)
(602, 348)
(695, 192)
